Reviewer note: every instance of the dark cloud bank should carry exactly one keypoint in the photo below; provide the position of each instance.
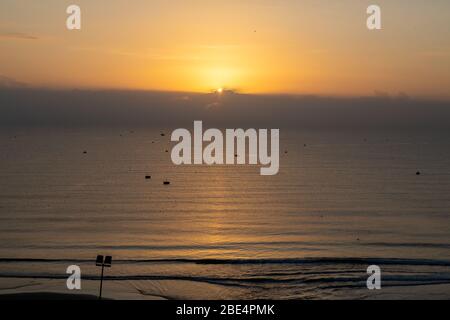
(33, 107)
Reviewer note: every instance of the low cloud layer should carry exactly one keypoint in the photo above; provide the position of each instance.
(32, 107)
(7, 82)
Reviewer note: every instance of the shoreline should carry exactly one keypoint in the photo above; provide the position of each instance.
(47, 296)
(427, 292)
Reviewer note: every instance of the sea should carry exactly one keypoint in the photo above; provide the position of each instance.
(341, 202)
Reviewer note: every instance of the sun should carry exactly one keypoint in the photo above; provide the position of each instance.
(219, 90)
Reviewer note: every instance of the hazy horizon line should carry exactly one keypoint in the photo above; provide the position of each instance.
(226, 91)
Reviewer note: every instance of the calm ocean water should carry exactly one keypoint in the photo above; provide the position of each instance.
(341, 201)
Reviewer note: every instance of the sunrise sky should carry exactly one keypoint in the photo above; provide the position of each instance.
(253, 46)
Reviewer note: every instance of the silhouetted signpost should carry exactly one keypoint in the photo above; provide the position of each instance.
(100, 262)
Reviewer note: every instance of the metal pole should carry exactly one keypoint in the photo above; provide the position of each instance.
(101, 283)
